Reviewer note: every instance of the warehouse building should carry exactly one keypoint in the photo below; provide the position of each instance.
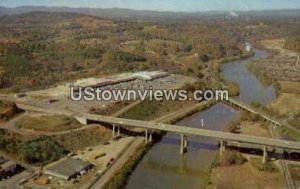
(68, 168)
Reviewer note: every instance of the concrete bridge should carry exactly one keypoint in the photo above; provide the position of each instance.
(150, 127)
(268, 118)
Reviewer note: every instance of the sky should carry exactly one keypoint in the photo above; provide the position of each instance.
(163, 5)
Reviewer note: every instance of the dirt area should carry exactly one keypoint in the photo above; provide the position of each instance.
(289, 87)
(245, 176)
(285, 103)
(273, 44)
(101, 155)
(81, 139)
(49, 123)
(254, 128)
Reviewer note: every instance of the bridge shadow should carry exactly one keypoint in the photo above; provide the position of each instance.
(209, 145)
(276, 154)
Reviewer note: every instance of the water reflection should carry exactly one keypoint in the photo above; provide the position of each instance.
(163, 166)
(251, 89)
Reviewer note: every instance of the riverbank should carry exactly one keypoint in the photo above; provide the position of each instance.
(119, 179)
(157, 157)
(237, 170)
(282, 71)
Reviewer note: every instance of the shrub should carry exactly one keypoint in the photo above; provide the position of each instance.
(268, 166)
(41, 150)
(229, 158)
(233, 126)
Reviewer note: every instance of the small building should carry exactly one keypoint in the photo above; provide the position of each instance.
(68, 168)
(150, 75)
(8, 168)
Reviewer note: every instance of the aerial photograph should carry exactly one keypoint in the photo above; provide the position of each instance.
(150, 94)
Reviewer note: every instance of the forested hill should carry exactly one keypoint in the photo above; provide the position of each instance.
(116, 13)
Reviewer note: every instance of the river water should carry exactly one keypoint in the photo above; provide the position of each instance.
(164, 168)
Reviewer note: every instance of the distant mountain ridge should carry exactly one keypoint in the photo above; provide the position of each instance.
(117, 13)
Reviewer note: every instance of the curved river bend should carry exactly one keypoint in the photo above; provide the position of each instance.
(164, 168)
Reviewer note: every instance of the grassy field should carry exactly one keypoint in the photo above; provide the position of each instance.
(47, 123)
(290, 133)
(295, 172)
(285, 103)
(150, 110)
(112, 108)
(245, 176)
(289, 87)
(296, 122)
(81, 139)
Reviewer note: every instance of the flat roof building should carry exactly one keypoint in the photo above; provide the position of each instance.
(68, 168)
(7, 169)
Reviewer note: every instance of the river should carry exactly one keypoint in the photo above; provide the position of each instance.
(164, 168)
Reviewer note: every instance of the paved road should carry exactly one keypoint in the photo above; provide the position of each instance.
(120, 162)
(172, 128)
(10, 126)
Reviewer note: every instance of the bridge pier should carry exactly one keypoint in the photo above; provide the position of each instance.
(183, 144)
(222, 147)
(265, 155)
(118, 133)
(113, 131)
(148, 136)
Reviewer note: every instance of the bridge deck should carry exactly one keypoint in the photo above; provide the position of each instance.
(171, 128)
(263, 115)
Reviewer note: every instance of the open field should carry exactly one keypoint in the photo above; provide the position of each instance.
(296, 122)
(49, 123)
(245, 176)
(254, 128)
(285, 103)
(82, 139)
(295, 171)
(231, 172)
(150, 110)
(289, 87)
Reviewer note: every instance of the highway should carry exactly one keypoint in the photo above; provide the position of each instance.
(169, 128)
